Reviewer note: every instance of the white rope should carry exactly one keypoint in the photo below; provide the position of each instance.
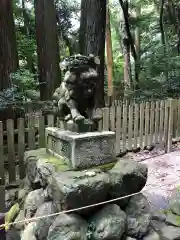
(71, 210)
(68, 211)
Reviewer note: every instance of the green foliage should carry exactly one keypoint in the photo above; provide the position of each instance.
(26, 47)
(159, 75)
(26, 77)
(23, 79)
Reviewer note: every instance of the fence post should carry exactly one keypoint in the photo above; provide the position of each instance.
(21, 147)
(178, 121)
(166, 125)
(170, 125)
(42, 131)
(141, 131)
(118, 128)
(174, 118)
(106, 119)
(11, 150)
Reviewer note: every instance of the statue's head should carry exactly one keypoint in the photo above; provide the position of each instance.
(81, 73)
(73, 63)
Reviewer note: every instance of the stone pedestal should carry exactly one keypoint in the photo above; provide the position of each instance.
(81, 150)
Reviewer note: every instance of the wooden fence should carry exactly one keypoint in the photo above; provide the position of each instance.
(136, 126)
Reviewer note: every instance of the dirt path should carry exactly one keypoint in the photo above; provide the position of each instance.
(163, 177)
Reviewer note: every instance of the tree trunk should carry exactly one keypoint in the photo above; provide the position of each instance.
(173, 13)
(109, 54)
(82, 30)
(29, 57)
(47, 47)
(137, 44)
(8, 47)
(127, 63)
(94, 40)
(128, 42)
(163, 41)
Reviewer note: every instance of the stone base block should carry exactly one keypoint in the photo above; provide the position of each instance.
(81, 150)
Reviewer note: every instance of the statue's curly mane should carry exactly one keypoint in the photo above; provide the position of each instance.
(79, 63)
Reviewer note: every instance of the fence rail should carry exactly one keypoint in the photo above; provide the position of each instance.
(136, 126)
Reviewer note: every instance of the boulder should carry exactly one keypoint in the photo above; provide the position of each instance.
(33, 201)
(152, 236)
(10, 198)
(175, 202)
(30, 160)
(45, 170)
(20, 217)
(23, 191)
(158, 216)
(127, 177)
(109, 222)
(68, 226)
(170, 233)
(43, 225)
(138, 216)
(12, 234)
(31, 170)
(75, 189)
(40, 166)
(130, 238)
(29, 232)
(173, 219)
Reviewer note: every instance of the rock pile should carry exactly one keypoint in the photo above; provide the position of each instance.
(46, 191)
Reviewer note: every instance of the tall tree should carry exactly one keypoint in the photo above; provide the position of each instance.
(128, 43)
(138, 42)
(8, 48)
(93, 27)
(27, 32)
(47, 47)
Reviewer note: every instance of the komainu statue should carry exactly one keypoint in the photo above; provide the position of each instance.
(75, 98)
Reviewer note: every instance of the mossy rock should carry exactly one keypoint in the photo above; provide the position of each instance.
(58, 163)
(11, 215)
(105, 167)
(174, 218)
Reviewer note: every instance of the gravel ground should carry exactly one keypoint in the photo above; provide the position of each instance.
(163, 174)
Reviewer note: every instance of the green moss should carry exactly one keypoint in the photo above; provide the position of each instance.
(107, 166)
(103, 167)
(178, 220)
(168, 211)
(59, 163)
(11, 215)
(178, 187)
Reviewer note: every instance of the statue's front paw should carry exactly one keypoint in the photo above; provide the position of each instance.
(68, 117)
(96, 118)
(79, 118)
(88, 122)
